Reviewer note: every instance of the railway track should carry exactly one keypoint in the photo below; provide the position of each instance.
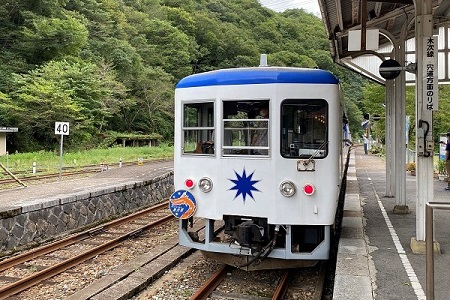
(26, 177)
(29, 178)
(140, 272)
(303, 283)
(23, 271)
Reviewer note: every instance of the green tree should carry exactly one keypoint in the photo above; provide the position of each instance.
(169, 48)
(154, 110)
(290, 59)
(75, 92)
(52, 38)
(111, 65)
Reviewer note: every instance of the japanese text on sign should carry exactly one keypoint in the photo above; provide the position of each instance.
(430, 76)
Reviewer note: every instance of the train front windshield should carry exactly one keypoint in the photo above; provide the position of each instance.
(304, 128)
(246, 130)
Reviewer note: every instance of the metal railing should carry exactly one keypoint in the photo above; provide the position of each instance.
(429, 241)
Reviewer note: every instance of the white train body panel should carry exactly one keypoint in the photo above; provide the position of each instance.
(249, 185)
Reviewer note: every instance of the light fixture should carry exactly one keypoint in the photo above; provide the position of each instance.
(287, 188)
(205, 184)
(189, 183)
(309, 189)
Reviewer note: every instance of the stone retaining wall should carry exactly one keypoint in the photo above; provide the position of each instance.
(45, 219)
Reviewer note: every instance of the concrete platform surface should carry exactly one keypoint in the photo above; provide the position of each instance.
(375, 260)
(41, 192)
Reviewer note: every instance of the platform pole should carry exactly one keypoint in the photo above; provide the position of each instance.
(424, 117)
(60, 156)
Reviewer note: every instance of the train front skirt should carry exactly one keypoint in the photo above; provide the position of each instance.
(229, 252)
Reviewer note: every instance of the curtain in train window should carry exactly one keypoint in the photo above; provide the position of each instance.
(198, 128)
(304, 128)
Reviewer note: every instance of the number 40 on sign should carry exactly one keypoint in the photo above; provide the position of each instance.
(62, 128)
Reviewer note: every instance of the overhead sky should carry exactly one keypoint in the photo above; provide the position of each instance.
(311, 6)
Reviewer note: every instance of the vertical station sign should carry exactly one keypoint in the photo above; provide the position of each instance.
(61, 128)
(430, 76)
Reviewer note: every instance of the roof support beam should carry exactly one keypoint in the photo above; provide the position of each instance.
(355, 12)
(377, 9)
(363, 24)
(338, 4)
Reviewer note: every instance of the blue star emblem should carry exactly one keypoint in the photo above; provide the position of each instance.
(244, 185)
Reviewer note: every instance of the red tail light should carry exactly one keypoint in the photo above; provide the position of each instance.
(309, 189)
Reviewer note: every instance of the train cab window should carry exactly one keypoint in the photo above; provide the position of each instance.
(304, 126)
(198, 128)
(245, 128)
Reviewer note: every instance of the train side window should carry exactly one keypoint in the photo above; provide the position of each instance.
(304, 125)
(198, 128)
(245, 129)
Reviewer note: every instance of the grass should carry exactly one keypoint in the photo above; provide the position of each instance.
(48, 162)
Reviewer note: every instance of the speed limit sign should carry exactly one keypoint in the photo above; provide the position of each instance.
(62, 128)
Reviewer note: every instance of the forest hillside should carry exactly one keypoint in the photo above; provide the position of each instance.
(110, 66)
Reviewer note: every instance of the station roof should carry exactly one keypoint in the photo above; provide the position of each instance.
(388, 16)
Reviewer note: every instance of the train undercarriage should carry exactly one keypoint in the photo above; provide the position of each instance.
(253, 244)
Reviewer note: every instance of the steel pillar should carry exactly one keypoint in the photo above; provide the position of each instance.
(390, 138)
(424, 164)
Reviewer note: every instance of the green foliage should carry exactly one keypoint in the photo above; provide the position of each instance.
(52, 38)
(440, 167)
(373, 103)
(441, 120)
(111, 65)
(72, 91)
(377, 149)
(411, 166)
(290, 59)
(48, 161)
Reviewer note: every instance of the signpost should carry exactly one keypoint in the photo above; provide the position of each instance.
(61, 128)
(430, 74)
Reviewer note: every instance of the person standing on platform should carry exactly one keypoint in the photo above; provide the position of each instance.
(366, 126)
(366, 144)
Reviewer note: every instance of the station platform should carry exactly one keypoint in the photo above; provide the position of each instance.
(375, 260)
(35, 192)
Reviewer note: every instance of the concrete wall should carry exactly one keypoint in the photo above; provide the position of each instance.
(45, 219)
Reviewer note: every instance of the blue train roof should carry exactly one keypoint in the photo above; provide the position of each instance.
(258, 75)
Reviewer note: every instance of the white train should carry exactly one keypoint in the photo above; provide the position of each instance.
(259, 150)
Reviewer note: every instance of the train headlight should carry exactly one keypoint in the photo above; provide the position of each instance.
(309, 189)
(287, 188)
(205, 184)
(189, 183)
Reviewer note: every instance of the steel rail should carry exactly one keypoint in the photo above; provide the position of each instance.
(320, 284)
(49, 272)
(88, 169)
(283, 284)
(209, 286)
(37, 277)
(282, 287)
(70, 240)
